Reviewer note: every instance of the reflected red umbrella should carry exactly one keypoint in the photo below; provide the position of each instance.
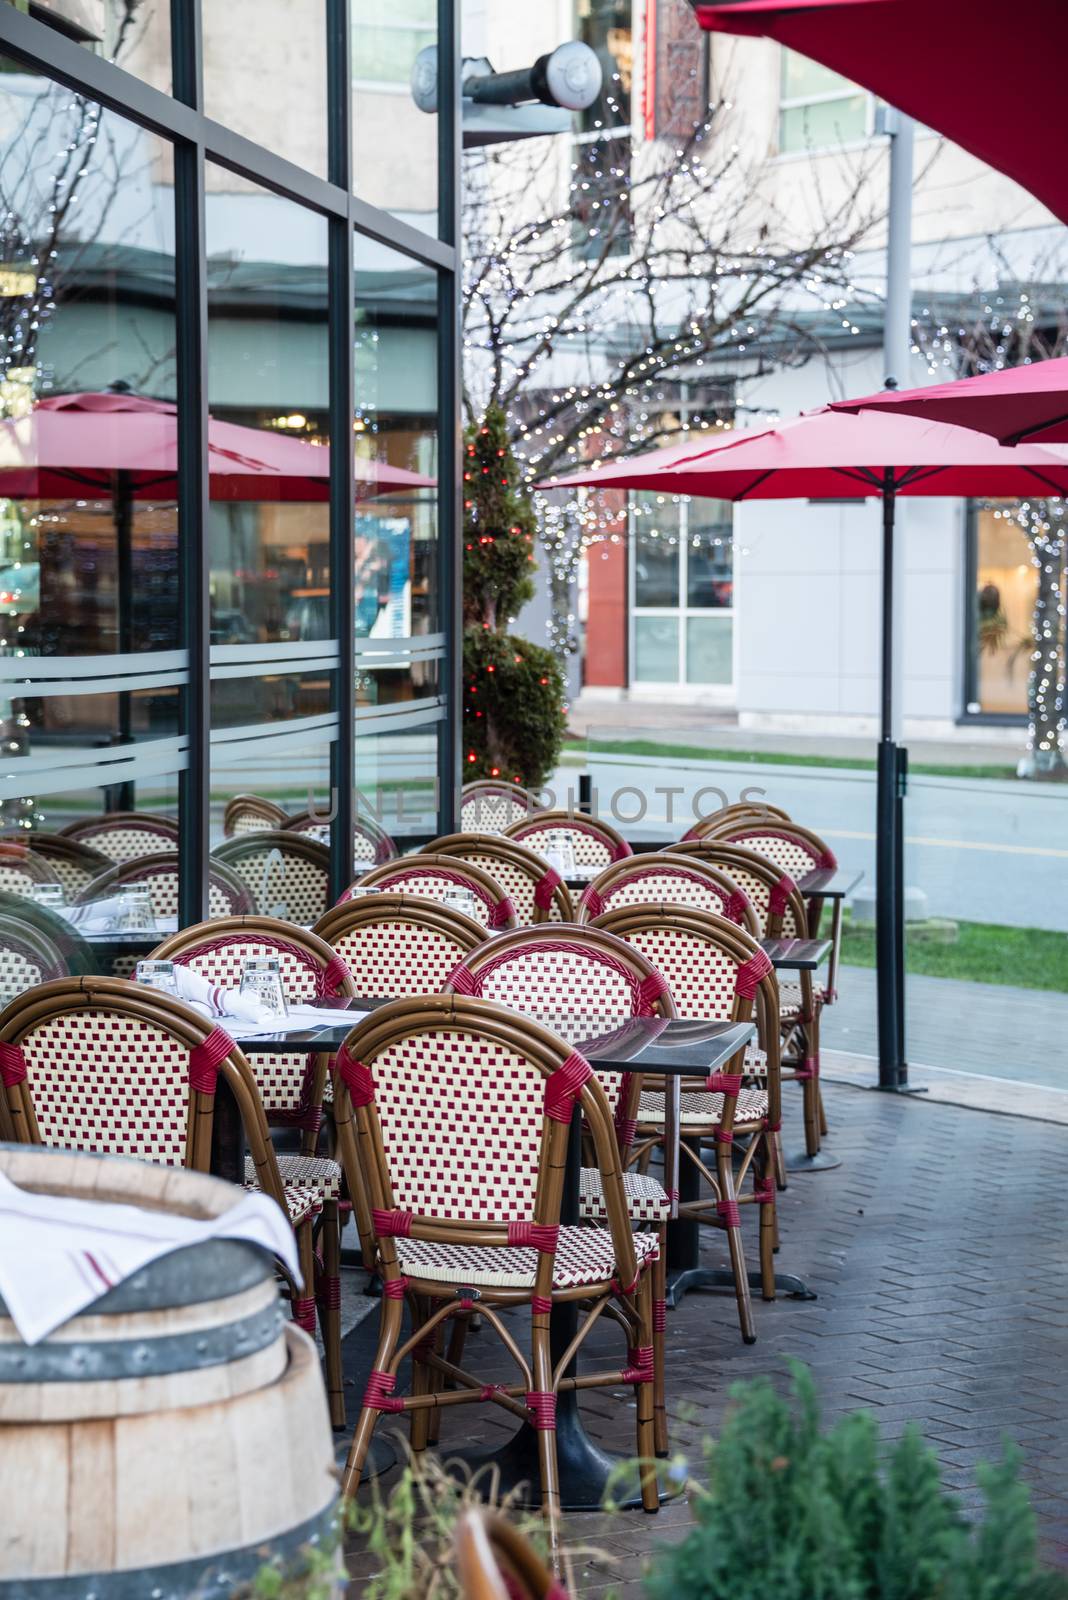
(77, 443)
(983, 73)
(1020, 404)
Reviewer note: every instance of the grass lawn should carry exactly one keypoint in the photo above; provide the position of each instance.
(984, 952)
(770, 758)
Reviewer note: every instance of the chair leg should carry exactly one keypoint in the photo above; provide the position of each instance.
(644, 1399)
(780, 1161)
(545, 1426)
(388, 1337)
(823, 1114)
(769, 1231)
(329, 1302)
(422, 1383)
(303, 1305)
(455, 1355)
(661, 1446)
(728, 1210)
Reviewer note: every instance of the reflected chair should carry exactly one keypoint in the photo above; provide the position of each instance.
(251, 813)
(371, 842)
(461, 1111)
(22, 870)
(74, 864)
(112, 1067)
(433, 877)
(716, 972)
(665, 879)
(490, 806)
(125, 835)
(595, 843)
(28, 958)
(584, 980)
(227, 895)
(536, 890)
(286, 874)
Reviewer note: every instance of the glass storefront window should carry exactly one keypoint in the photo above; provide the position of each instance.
(709, 648)
(682, 562)
(135, 34)
(387, 37)
(656, 551)
(1006, 588)
(265, 74)
(819, 109)
(709, 556)
(656, 649)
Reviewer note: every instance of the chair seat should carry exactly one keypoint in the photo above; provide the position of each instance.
(698, 1108)
(305, 1188)
(583, 1256)
(646, 1199)
(790, 1002)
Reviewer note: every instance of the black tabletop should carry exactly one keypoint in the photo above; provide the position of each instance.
(832, 883)
(796, 955)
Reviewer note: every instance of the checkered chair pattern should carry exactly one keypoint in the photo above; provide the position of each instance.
(74, 864)
(396, 954)
(662, 879)
(251, 813)
(27, 958)
(432, 877)
(791, 848)
(464, 1115)
(21, 871)
(285, 873)
(534, 888)
(370, 842)
(227, 896)
(595, 844)
(488, 807)
(125, 836)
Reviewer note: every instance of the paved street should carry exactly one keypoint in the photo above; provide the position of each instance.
(939, 1300)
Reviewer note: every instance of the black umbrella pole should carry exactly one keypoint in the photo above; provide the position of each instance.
(888, 832)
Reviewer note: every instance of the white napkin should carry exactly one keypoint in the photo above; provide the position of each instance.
(216, 1002)
(95, 914)
(297, 1016)
(58, 1255)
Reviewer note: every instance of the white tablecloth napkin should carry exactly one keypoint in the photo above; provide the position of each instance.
(58, 1255)
(298, 1016)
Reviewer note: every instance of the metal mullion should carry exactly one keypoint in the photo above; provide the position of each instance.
(450, 436)
(187, 53)
(342, 410)
(191, 276)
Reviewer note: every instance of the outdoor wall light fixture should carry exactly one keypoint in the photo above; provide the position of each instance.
(515, 105)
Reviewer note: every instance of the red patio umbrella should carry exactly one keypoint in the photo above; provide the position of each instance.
(983, 73)
(1015, 405)
(87, 443)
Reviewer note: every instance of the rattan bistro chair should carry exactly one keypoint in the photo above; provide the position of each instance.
(371, 842)
(740, 810)
(786, 844)
(494, 1561)
(667, 879)
(716, 971)
(461, 1111)
(490, 806)
(433, 876)
(534, 888)
(74, 864)
(251, 813)
(227, 895)
(125, 835)
(286, 874)
(21, 870)
(112, 1067)
(550, 972)
(595, 843)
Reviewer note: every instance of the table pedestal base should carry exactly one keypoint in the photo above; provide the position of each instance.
(801, 1161)
(688, 1278)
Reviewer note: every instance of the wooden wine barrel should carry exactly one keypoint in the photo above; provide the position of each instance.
(176, 1436)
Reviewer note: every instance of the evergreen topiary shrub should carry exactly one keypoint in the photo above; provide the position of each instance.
(796, 1514)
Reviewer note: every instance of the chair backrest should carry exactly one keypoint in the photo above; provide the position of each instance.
(227, 895)
(28, 958)
(494, 1561)
(310, 971)
(370, 841)
(490, 806)
(774, 896)
(462, 1111)
(251, 813)
(667, 879)
(108, 1066)
(21, 869)
(74, 864)
(740, 809)
(125, 835)
(787, 845)
(280, 869)
(534, 888)
(594, 842)
(433, 876)
(398, 944)
(548, 972)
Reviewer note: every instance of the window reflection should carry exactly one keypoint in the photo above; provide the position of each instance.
(387, 37)
(135, 34)
(1006, 587)
(265, 74)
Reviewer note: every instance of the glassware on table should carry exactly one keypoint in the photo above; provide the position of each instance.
(49, 895)
(261, 977)
(457, 898)
(560, 852)
(135, 913)
(158, 975)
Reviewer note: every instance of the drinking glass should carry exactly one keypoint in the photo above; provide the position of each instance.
(135, 914)
(261, 976)
(462, 900)
(158, 975)
(48, 894)
(560, 852)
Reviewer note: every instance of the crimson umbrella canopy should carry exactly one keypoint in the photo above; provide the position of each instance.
(77, 443)
(983, 73)
(1014, 405)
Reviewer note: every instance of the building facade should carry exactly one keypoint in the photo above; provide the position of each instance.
(228, 415)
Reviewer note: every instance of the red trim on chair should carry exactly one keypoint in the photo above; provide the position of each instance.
(626, 1130)
(592, 900)
(641, 1369)
(659, 1316)
(12, 1064)
(395, 1288)
(736, 907)
(723, 1136)
(763, 1191)
(747, 979)
(463, 980)
(503, 915)
(204, 1060)
(304, 1314)
(809, 1070)
(772, 1127)
(332, 1292)
(546, 887)
(827, 861)
(335, 974)
(728, 1210)
(780, 895)
(392, 1224)
(541, 1304)
(379, 1391)
(651, 989)
(356, 1078)
(541, 1403)
(724, 1082)
(542, 1236)
(562, 1087)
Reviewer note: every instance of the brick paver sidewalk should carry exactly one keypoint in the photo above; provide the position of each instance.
(939, 1253)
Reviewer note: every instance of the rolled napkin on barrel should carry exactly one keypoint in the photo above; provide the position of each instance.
(58, 1254)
